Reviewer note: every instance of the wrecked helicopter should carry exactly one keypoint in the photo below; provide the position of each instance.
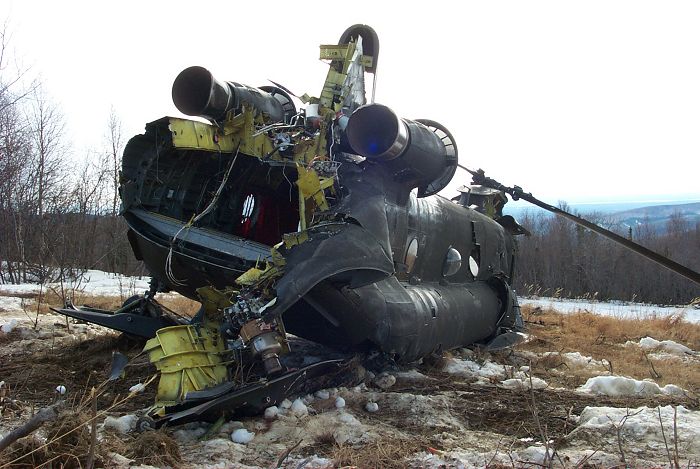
(321, 222)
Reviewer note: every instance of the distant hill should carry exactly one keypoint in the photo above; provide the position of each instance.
(654, 215)
(658, 216)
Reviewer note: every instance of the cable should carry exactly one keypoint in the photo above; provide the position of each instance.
(169, 259)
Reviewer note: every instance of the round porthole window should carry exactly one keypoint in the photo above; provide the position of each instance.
(411, 255)
(453, 261)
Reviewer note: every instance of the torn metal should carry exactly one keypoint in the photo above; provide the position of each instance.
(321, 222)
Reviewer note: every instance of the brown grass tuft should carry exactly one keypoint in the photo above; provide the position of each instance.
(51, 298)
(155, 448)
(603, 337)
(436, 361)
(324, 440)
(385, 453)
(180, 304)
(67, 444)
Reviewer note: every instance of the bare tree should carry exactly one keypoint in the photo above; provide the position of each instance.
(113, 156)
(48, 174)
(14, 155)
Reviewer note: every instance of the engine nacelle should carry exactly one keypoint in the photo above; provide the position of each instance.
(421, 153)
(197, 93)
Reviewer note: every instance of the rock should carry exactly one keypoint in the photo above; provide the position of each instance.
(385, 381)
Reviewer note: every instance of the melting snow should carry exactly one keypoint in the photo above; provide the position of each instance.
(649, 343)
(271, 413)
(618, 309)
(136, 388)
(470, 369)
(622, 386)
(372, 407)
(8, 326)
(242, 436)
(299, 408)
(524, 383)
(123, 424)
(92, 281)
(410, 374)
(642, 424)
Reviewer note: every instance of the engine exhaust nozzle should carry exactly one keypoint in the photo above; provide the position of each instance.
(197, 93)
(421, 154)
(375, 131)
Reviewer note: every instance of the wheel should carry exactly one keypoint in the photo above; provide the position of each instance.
(145, 424)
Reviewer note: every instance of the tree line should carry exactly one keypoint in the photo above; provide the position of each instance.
(563, 259)
(58, 210)
(59, 215)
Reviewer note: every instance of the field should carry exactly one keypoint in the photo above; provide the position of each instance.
(584, 390)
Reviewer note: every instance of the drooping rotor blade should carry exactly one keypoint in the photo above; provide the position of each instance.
(516, 192)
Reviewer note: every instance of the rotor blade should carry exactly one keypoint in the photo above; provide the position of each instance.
(518, 193)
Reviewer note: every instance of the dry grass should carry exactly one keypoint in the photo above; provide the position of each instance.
(385, 453)
(602, 337)
(67, 444)
(173, 301)
(155, 448)
(180, 304)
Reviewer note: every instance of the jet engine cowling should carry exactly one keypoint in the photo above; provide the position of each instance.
(421, 153)
(197, 93)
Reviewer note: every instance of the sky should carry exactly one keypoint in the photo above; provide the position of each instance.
(576, 101)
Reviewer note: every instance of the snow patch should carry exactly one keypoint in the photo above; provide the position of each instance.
(649, 343)
(299, 409)
(285, 404)
(619, 309)
(372, 407)
(524, 383)
(190, 433)
(622, 386)
(642, 425)
(348, 419)
(242, 436)
(576, 360)
(271, 413)
(469, 369)
(8, 326)
(93, 282)
(410, 375)
(123, 424)
(137, 388)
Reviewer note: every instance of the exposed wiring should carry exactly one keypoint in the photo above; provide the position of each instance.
(169, 259)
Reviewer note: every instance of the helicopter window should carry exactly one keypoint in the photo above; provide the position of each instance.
(248, 206)
(453, 261)
(411, 255)
(473, 266)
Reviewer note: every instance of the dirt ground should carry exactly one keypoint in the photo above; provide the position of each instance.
(426, 418)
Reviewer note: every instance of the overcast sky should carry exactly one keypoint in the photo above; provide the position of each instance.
(574, 101)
